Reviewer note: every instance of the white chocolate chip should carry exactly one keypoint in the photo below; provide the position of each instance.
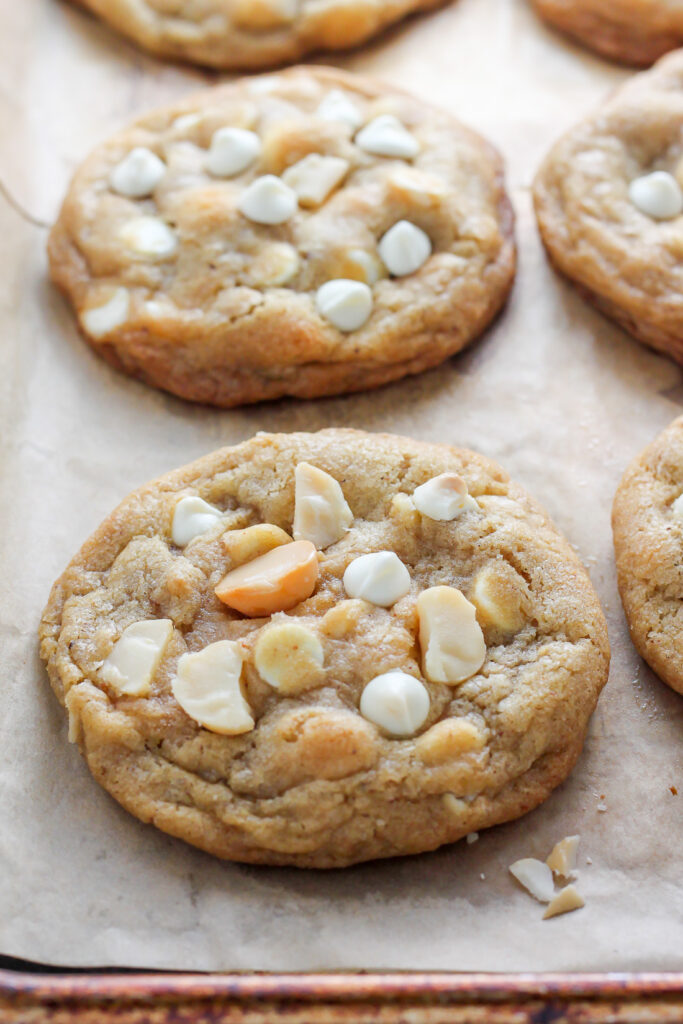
(657, 195)
(192, 516)
(268, 201)
(337, 106)
(562, 860)
(453, 645)
(315, 177)
(404, 248)
(443, 497)
(135, 657)
(396, 702)
(232, 150)
(138, 174)
(289, 657)
(387, 136)
(346, 304)
(207, 687)
(380, 578)
(677, 507)
(566, 900)
(101, 320)
(321, 513)
(535, 876)
(148, 236)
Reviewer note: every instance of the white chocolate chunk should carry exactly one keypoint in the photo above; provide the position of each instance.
(192, 516)
(207, 687)
(102, 319)
(404, 248)
(657, 195)
(315, 177)
(380, 578)
(186, 122)
(275, 265)
(337, 106)
(148, 236)
(346, 304)
(232, 150)
(677, 507)
(567, 899)
(138, 174)
(453, 645)
(443, 497)
(268, 201)
(289, 657)
(535, 876)
(396, 702)
(321, 513)
(387, 136)
(562, 860)
(134, 659)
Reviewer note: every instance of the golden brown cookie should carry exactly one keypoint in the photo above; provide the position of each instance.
(318, 649)
(630, 31)
(609, 202)
(647, 520)
(250, 34)
(305, 234)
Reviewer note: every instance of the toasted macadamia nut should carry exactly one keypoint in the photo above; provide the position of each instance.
(192, 516)
(447, 740)
(453, 645)
(396, 702)
(321, 513)
(274, 266)
(289, 657)
(138, 174)
(207, 687)
(345, 303)
(443, 497)
(498, 596)
(100, 320)
(135, 657)
(315, 177)
(275, 582)
(380, 578)
(343, 618)
(566, 900)
(404, 248)
(386, 136)
(562, 860)
(535, 876)
(232, 150)
(337, 106)
(268, 201)
(253, 541)
(148, 236)
(657, 195)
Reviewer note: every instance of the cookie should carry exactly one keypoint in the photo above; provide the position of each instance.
(318, 649)
(250, 34)
(631, 31)
(647, 520)
(305, 234)
(609, 202)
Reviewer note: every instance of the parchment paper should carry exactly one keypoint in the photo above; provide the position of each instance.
(558, 395)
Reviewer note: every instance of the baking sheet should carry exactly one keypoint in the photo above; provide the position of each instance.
(554, 392)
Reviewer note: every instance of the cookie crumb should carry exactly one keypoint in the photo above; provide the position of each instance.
(473, 837)
(673, 790)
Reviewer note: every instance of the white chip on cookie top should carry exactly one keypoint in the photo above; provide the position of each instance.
(207, 687)
(453, 645)
(443, 498)
(192, 516)
(658, 195)
(268, 201)
(232, 150)
(100, 320)
(138, 174)
(385, 135)
(274, 582)
(314, 177)
(380, 578)
(345, 303)
(148, 236)
(321, 513)
(396, 702)
(289, 657)
(404, 248)
(336, 106)
(135, 657)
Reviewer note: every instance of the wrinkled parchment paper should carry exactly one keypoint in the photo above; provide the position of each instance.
(558, 395)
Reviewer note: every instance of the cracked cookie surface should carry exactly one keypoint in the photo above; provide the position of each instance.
(453, 695)
(647, 520)
(304, 234)
(609, 203)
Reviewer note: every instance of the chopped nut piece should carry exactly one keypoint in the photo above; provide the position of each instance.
(192, 516)
(567, 899)
(289, 657)
(380, 578)
(403, 509)
(562, 860)
(321, 513)
(275, 582)
(100, 320)
(315, 177)
(135, 657)
(448, 740)
(396, 702)
(342, 619)
(443, 497)
(207, 687)
(245, 545)
(535, 876)
(498, 596)
(453, 645)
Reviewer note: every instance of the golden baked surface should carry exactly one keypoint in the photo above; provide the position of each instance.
(648, 542)
(214, 306)
(250, 34)
(630, 31)
(626, 261)
(318, 779)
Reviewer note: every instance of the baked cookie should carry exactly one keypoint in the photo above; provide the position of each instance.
(647, 520)
(303, 234)
(609, 203)
(630, 31)
(250, 34)
(317, 649)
